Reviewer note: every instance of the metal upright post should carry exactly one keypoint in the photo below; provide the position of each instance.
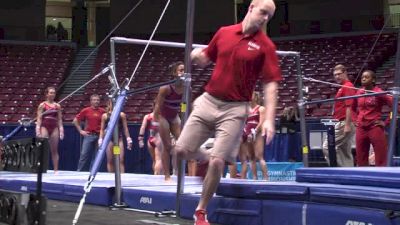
(331, 146)
(40, 200)
(396, 92)
(301, 105)
(187, 95)
(116, 150)
(116, 154)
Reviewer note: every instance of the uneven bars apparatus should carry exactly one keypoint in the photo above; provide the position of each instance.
(171, 44)
(122, 40)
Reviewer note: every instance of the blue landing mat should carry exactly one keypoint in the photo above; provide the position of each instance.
(68, 185)
(366, 176)
(275, 212)
(306, 213)
(360, 196)
(239, 201)
(155, 198)
(317, 214)
(349, 195)
(102, 179)
(240, 188)
(226, 211)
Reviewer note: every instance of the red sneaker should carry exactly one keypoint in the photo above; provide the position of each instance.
(200, 217)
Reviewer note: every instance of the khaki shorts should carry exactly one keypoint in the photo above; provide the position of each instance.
(210, 114)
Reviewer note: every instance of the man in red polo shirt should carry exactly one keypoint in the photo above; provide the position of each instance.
(243, 54)
(342, 111)
(92, 117)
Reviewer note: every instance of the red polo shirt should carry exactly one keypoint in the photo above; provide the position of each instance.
(340, 107)
(92, 118)
(240, 62)
(369, 109)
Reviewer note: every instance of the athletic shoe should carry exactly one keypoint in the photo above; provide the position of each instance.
(200, 217)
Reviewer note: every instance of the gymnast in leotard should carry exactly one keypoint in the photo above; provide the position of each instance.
(49, 124)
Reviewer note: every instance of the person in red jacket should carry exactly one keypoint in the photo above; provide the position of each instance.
(370, 129)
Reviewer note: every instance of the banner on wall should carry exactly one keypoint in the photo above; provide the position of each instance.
(277, 171)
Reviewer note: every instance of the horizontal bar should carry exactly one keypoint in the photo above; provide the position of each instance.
(123, 40)
(171, 44)
(152, 86)
(345, 98)
(287, 53)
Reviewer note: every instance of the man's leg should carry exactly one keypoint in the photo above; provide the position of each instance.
(85, 153)
(211, 181)
(325, 150)
(196, 131)
(94, 145)
(229, 126)
(343, 143)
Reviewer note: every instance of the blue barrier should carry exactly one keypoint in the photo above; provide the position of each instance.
(284, 148)
(136, 161)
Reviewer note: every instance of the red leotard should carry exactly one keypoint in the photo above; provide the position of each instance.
(50, 117)
(153, 129)
(171, 105)
(252, 121)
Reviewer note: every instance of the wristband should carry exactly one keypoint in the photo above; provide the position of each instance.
(100, 141)
(129, 140)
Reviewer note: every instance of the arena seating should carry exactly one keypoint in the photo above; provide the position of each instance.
(318, 56)
(25, 72)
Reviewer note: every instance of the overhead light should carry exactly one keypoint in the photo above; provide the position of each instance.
(54, 19)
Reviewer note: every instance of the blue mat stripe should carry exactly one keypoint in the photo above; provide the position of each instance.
(365, 176)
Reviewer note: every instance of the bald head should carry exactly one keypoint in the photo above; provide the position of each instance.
(266, 3)
(259, 13)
